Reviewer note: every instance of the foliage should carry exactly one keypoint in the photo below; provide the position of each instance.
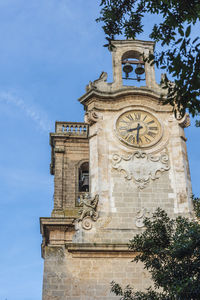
(170, 251)
(196, 204)
(180, 55)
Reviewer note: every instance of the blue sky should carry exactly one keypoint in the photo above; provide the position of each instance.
(49, 51)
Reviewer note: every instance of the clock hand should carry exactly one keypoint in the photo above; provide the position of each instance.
(138, 137)
(138, 130)
(132, 129)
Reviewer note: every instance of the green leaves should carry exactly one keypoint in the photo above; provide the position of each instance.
(196, 204)
(170, 250)
(188, 31)
(129, 294)
(178, 41)
(180, 31)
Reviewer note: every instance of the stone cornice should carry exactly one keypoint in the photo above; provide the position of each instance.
(114, 95)
(47, 225)
(62, 136)
(131, 42)
(44, 222)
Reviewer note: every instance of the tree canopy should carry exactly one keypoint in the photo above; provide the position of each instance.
(170, 251)
(180, 54)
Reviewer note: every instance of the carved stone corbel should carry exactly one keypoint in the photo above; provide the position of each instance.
(185, 121)
(91, 117)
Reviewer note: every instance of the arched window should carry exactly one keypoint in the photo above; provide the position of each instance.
(84, 177)
(82, 180)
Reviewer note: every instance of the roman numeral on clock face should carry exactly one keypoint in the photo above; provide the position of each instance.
(123, 128)
(153, 128)
(145, 117)
(152, 134)
(137, 116)
(127, 137)
(131, 139)
(140, 140)
(150, 122)
(147, 139)
(130, 117)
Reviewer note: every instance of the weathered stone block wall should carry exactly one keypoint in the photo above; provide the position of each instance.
(129, 207)
(75, 276)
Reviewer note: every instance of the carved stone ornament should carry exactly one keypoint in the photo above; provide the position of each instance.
(91, 117)
(98, 82)
(185, 121)
(141, 167)
(88, 210)
(141, 215)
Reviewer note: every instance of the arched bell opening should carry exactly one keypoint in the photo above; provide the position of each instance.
(83, 180)
(133, 71)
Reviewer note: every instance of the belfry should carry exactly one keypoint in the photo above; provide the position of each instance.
(127, 159)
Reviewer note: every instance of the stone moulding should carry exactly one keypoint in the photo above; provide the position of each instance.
(141, 167)
(99, 250)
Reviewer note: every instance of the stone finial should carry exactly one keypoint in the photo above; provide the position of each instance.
(98, 83)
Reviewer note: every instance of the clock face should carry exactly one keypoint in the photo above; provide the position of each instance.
(138, 128)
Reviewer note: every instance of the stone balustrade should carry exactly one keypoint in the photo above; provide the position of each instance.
(74, 129)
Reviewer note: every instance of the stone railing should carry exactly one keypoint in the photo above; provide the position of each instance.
(72, 129)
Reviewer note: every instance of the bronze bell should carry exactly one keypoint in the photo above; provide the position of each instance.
(139, 69)
(85, 180)
(127, 68)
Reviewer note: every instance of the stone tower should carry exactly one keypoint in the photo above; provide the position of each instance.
(127, 159)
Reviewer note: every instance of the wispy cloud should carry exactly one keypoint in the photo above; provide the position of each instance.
(40, 118)
(24, 178)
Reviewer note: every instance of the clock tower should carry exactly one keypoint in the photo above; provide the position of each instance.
(127, 159)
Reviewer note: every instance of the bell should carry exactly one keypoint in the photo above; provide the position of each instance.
(85, 180)
(127, 68)
(139, 69)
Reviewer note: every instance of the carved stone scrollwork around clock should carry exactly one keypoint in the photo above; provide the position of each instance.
(141, 167)
(88, 211)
